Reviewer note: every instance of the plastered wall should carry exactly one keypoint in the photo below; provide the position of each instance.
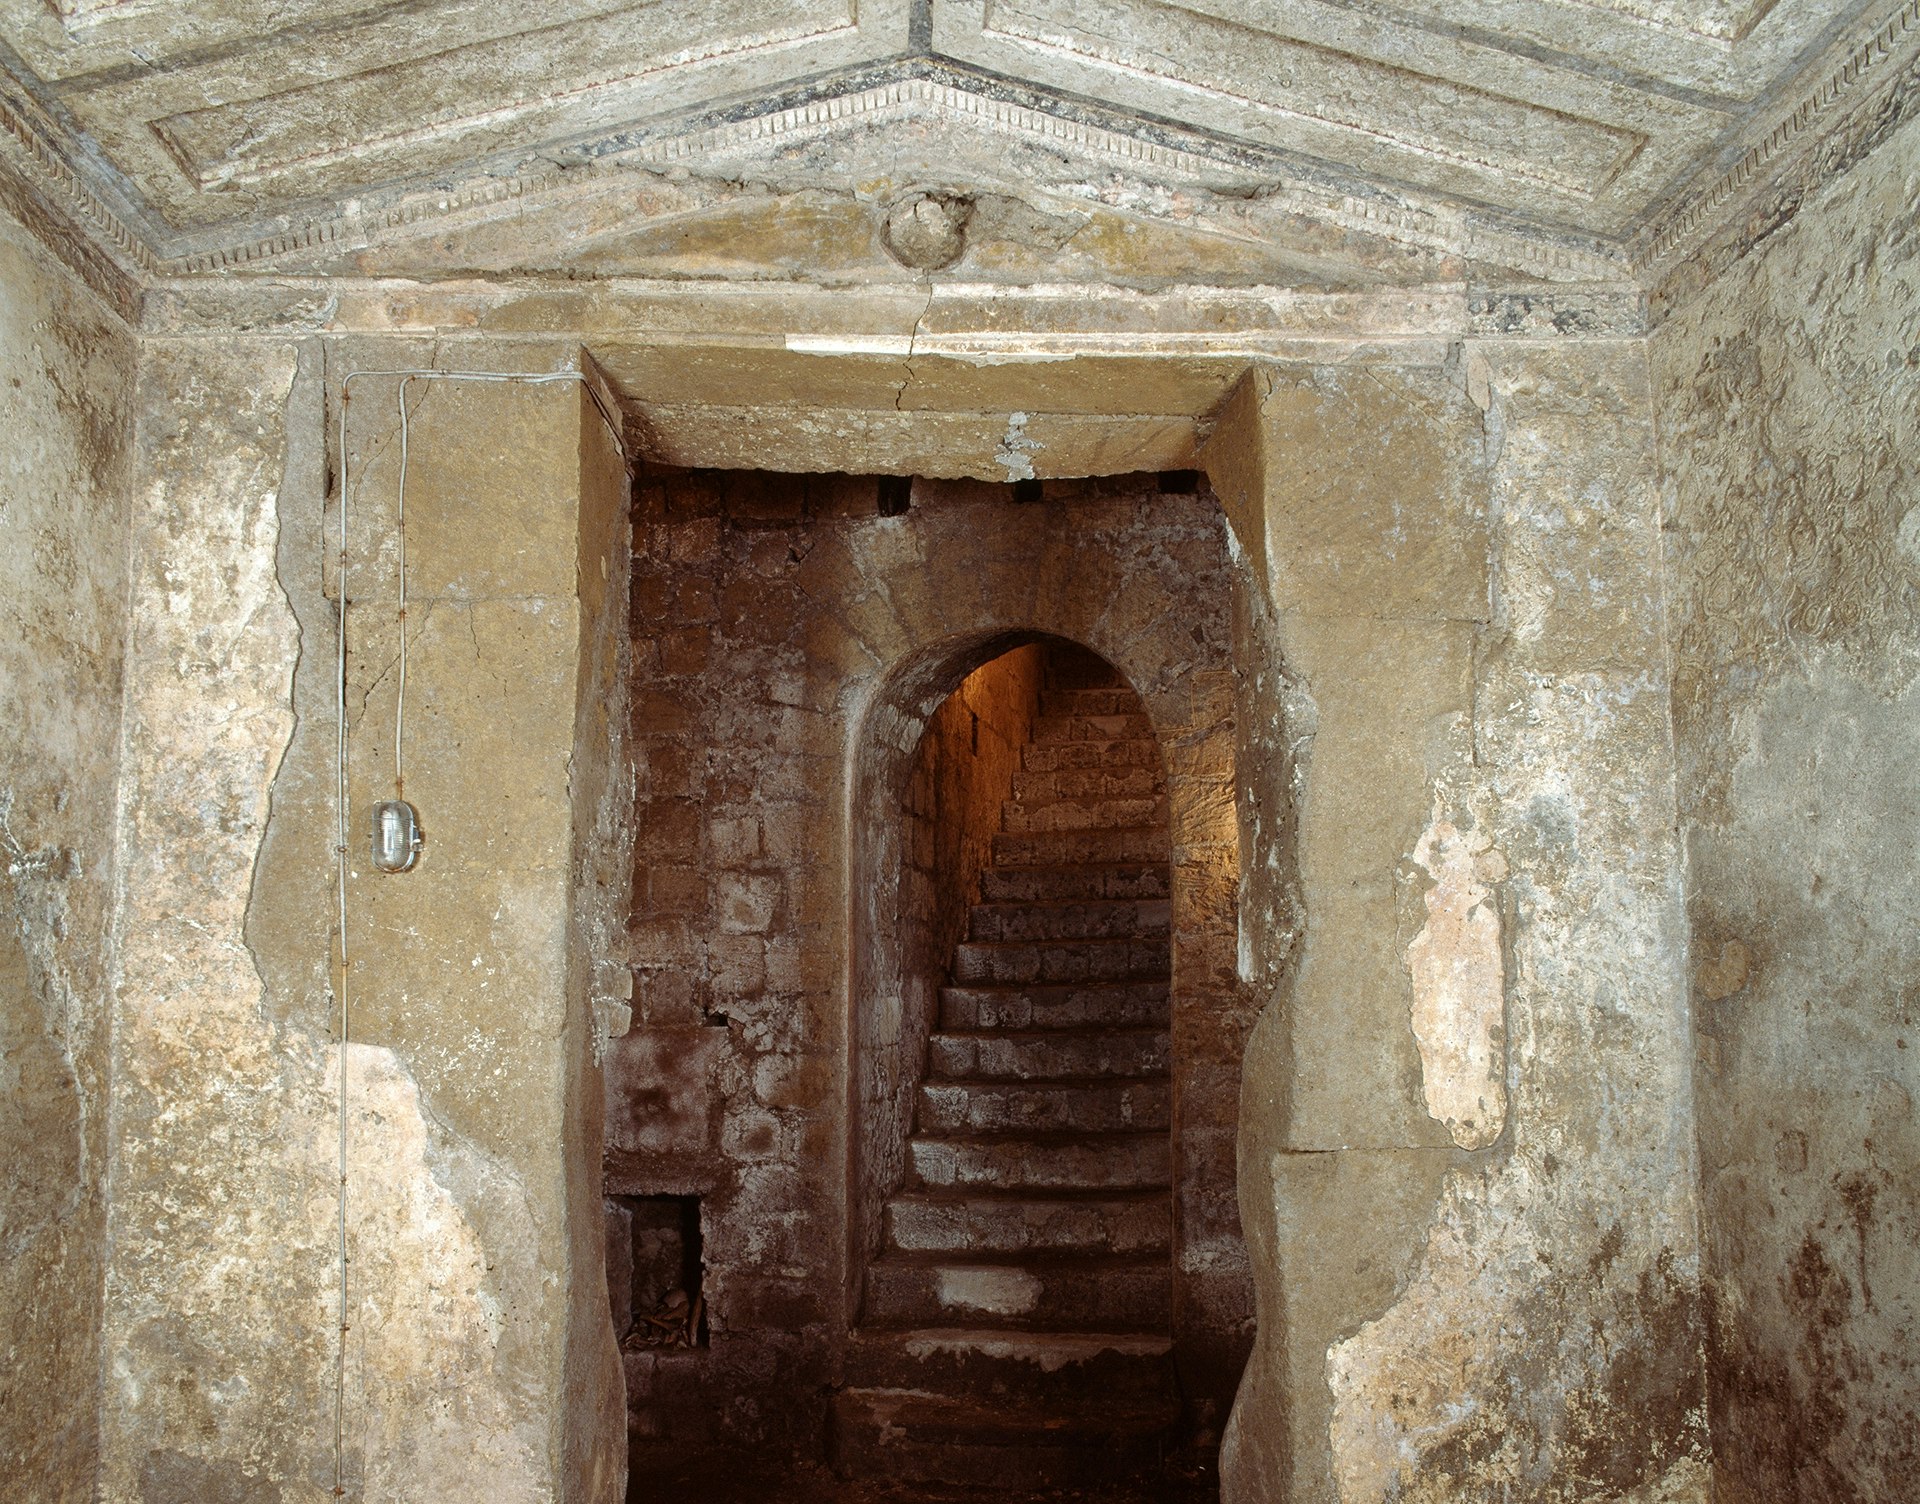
(1465, 1132)
(1789, 401)
(475, 1364)
(66, 377)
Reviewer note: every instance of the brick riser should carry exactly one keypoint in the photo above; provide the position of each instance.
(1037, 1217)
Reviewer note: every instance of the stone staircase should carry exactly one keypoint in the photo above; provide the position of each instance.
(1015, 1328)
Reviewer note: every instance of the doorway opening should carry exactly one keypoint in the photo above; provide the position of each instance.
(936, 1009)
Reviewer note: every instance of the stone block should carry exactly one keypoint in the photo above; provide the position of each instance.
(486, 736)
(751, 1134)
(1393, 703)
(660, 1092)
(469, 442)
(1049, 1056)
(1376, 495)
(1121, 1162)
(1356, 1070)
(748, 905)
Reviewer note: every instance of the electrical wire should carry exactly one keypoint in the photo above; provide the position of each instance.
(346, 1005)
(531, 378)
(400, 570)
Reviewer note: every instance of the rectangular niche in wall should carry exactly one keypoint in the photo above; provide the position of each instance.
(653, 1270)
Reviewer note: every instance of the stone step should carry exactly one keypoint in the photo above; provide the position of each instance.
(1023, 961)
(1060, 757)
(1075, 884)
(1060, 1294)
(1063, 848)
(1083, 814)
(1082, 1162)
(1090, 919)
(923, 1437)
(1090, 728)
(1112, 700)
(1017, 1368)
(990, 1226)
(1113, 1005)
(1042, 1106)
(1047, 1055)
(1035, 789)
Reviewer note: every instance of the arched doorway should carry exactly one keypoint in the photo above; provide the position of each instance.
(1027, 1235)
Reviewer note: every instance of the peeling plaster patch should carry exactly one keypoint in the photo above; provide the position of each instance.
(1016, 449)
(1479, 379)
(1459, 984)
(1906, 538)
(1402, 1382)
(430, 1322)
(1424, 1407)
(1003, 1292)
(1722, 975)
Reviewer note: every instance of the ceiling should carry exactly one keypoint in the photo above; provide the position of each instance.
(1596, 126)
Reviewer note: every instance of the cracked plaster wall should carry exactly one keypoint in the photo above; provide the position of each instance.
(1468, 607)
(66, 377)
(217, 1312)
(1789, 397)
(476, 1366)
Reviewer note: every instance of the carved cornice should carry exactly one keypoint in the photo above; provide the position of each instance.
(73, 221)
(1157, 152)
(1849, 105)
(1868, 73)
(55, 178)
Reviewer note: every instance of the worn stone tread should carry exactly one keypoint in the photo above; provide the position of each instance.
(1071, 919)
(1116, 813)
(1076, 882)
(1100, 1292)
(1121, 752)
(1047, 1054)
(988, 1225)
(1090, 728)
(1120, 959)
(1079, 1005)
(992, 1105)
(1120, 1160)
(1055, 848)
(1138, 781)
(1101, 1416)
(1113, 700)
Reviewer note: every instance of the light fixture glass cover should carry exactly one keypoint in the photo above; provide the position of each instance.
(397, 837)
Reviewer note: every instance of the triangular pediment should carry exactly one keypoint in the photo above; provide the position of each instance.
(1049, 194)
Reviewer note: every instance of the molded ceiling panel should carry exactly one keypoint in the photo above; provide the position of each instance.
(1592, 125)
